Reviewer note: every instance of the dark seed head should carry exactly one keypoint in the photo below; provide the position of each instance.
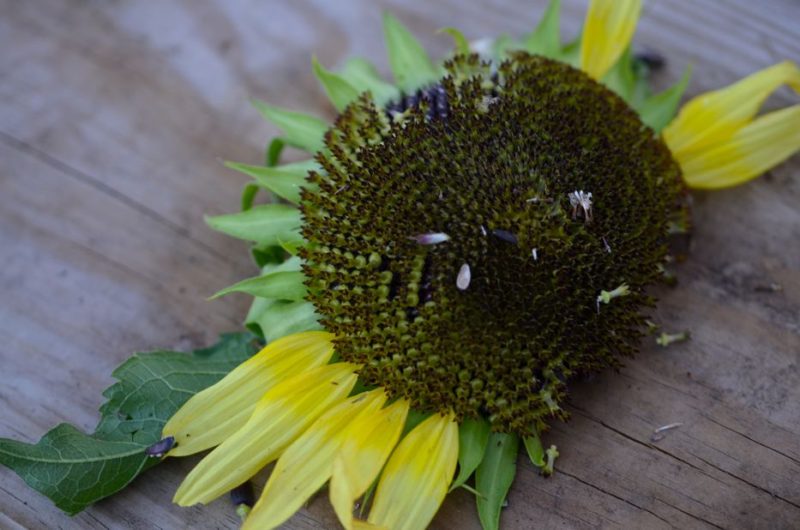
(510, 151)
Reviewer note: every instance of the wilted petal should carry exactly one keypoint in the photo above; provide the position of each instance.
(415, 480)
(308, 462)
(282, 415)
(220, 410)
(754, 149)
(607, 31)
(369, 442)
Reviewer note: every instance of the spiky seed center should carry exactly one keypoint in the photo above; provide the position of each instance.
(492, 319)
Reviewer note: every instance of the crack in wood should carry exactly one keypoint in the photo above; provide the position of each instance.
(66, 169)
(648, 445)
(618, 497)
(751, 484)
(98, 521)
(789, 457)
(693, 516)
(686, 462)
(24, 503)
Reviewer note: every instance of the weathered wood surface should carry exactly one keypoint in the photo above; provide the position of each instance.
(113, 118)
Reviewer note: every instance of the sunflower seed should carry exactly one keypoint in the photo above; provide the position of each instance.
(430, 238)
(464, 277)
(505, 235)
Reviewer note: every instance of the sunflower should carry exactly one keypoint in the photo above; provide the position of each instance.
(462, 244)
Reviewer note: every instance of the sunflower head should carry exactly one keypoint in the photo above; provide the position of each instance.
(469, 239)
(461, 236)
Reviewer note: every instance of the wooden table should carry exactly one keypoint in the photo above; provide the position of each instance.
(113, 119)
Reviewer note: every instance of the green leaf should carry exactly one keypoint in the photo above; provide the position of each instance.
(473, 436)
(273, 319)
(545, 39)
(278, 285)
(622, 78)
(273, 154)
(364, 77)
(571, 52)
(501, 47)
(641, 88)
(292, 246)
(658, 110)
(75, 469)
(411, 66)
(249, 195)
(284, 181)
(533, 445)
(414, 418)
(268, 255)
(494, 476)
(293, 264)
(302, 167)
(339, 90)
(264, 224)
(462, 45)
(628, 78)
(300, 130)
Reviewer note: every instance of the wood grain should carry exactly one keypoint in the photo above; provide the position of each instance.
(113, 119)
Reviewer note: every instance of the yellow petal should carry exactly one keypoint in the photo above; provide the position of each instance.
(416, 478)
(283, 414)
(308, 463)
(220, 410)
(368, 444)
(714, 117)
(752, 150)
(607, 31)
